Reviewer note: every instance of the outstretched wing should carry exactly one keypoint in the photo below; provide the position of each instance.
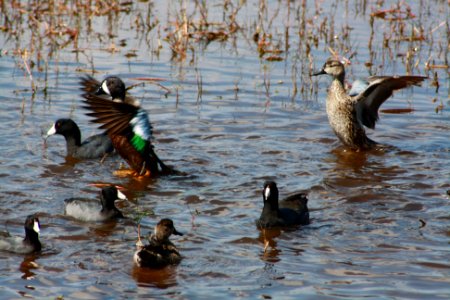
(89, 84)
(119, 118)
(379, 90)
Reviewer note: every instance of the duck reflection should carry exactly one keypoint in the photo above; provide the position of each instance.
(160, 278)
(270, 252)
(346, 159)
(28, 264)
(348, 168)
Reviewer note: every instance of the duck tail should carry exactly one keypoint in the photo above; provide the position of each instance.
(165, 169)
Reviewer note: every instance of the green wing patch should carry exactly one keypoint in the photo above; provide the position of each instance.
(138, 143)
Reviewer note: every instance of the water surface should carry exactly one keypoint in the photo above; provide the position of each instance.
(238, 112)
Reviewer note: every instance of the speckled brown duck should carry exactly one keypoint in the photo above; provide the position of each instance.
(160, 251)
(349, 114)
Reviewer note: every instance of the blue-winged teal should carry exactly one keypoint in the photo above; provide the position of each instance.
(128, 126)
(88, 210)
(160, 251)
(292, 210)
(96, 146)
(348, 114)
(26, 245)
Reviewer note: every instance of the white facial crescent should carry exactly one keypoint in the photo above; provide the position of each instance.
(105, 88)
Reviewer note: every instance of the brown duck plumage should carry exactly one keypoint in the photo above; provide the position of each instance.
(349, 114)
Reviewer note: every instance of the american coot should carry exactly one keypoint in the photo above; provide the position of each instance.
(160, 251)
(128, 126)
(26, 245)
(293, 210)
(96, 146)
(88, 210)
(347, 114)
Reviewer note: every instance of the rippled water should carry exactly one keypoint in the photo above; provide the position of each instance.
(232, 119)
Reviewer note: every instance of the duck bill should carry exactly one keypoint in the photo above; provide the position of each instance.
(321, 72)
(121, 195)
(36, 227)
(51, 131)
(176, 232)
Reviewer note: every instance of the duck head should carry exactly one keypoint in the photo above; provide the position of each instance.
(114, 87)
(164, 229)
(270, 195)
(332, 67)
(109, 195)
(65, 127)
(32, 224)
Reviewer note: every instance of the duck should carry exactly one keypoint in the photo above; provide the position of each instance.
(160, 251)
(27, 245)
(349, 113)
(88, 210)
(96, 146)
(128, 126)
(112, 86)
(292, 210)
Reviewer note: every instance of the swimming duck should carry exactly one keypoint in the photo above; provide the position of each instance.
(160, 251)
(26, 245)
(349, 114)
(128, 126)
(293, 210)
(88, 210)
(96, 146)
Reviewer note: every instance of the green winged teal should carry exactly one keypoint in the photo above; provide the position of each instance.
(160, 251)
(349, 114)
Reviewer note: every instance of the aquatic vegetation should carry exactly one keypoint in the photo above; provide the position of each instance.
(44, 34)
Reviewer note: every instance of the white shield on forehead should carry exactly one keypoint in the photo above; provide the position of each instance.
(267, 192)
(121, 195)
(36, 227)
(51, 131)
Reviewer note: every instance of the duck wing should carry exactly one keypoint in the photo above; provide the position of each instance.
(120, 118)
(379, 90)
(83, 209)
(89, 84)
(158, 256)
(96, 146)
(298, 203)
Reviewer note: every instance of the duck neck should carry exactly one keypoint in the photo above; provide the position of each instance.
(340, 77)
(73, 141)
(270, 208)
(32, 238)
(337, 86)
(159, 238)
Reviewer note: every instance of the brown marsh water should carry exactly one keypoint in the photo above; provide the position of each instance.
(232, 104)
